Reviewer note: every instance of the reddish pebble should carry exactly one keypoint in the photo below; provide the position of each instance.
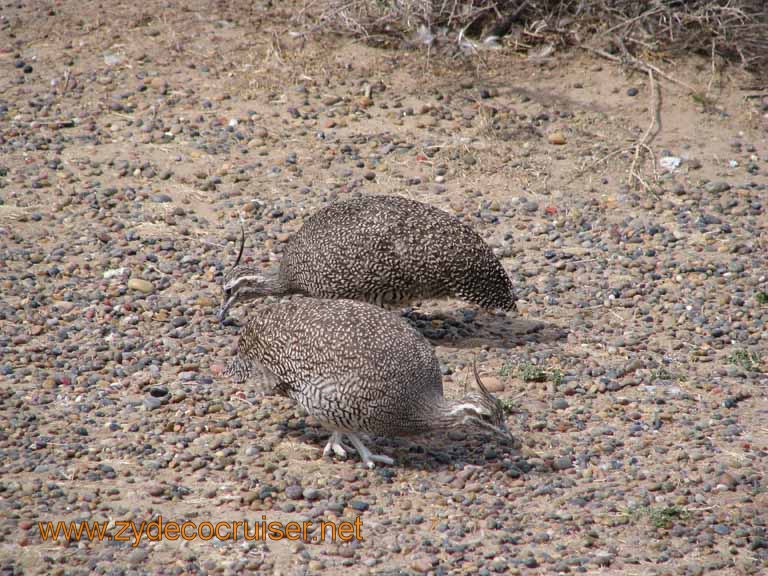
(217, 369)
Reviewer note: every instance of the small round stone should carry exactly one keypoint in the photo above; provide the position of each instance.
(141, 285)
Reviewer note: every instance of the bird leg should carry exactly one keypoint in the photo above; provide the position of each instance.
(336, 445)
(368, 458)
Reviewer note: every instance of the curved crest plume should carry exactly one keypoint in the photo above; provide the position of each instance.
(242, 245)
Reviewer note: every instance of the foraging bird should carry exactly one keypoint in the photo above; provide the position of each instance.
(357, 369)
(385, 250)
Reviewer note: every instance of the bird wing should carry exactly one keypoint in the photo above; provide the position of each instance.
(342, 400)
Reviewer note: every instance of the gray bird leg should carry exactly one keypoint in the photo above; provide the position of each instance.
(369, 459)
(336, 445)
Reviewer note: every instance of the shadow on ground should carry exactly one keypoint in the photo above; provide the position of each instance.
(469, 329)
(428, 453)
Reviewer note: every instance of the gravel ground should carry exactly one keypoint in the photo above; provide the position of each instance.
(131, 141)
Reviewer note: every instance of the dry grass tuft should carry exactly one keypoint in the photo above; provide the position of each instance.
(732, 29)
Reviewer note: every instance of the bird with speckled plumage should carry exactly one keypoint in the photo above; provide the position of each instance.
(385, 250)
(357, 369)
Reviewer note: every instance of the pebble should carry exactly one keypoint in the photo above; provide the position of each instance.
(158, 391)
(493, 384)
(562, 463)
(141, 285)
(114, 272)
(311, 494)
(422, 565)
(670, 163)
(294, 492)
(557, 138)
(721, 529)
(156, 490)
(717, 187)
(560, 404)
(137, 556)
(359, 505)
(152, 403)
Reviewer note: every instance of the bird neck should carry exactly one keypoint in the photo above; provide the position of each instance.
(276, 285)
(446, 414)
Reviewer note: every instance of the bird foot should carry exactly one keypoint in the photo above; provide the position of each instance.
(368, 458)
(336, 445)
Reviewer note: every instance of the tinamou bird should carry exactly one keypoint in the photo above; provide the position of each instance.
(385, 250)
(357, 369)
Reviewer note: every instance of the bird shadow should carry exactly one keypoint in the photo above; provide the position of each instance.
(434, 453)
(469, 329)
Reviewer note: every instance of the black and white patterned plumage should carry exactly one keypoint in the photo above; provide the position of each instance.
(356, 368)
(385, 250)
(353, 366)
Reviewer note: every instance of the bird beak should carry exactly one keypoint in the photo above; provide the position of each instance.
(223, 309)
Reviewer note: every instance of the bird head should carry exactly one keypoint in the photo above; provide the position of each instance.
(244, 282)
(480, 411)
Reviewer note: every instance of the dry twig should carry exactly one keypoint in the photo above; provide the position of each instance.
(731, 29)
(654, 107)
(640, 65)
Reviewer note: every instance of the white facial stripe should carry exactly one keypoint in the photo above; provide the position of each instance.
(461, 407)
(237, 281)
